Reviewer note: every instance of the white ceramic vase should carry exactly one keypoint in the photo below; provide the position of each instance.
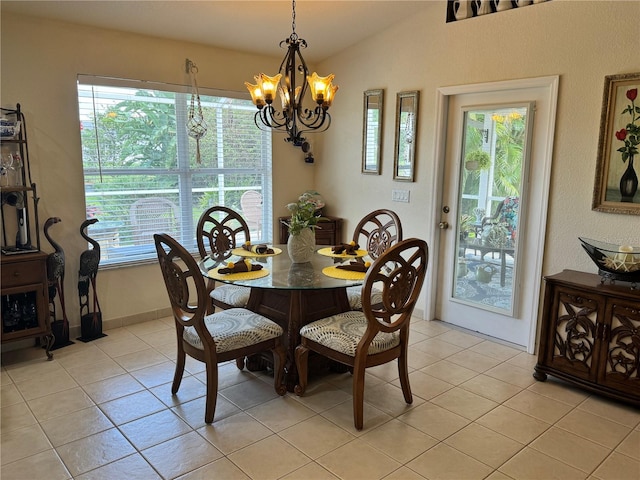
(483, 6)
(462, 9)
(302, 246)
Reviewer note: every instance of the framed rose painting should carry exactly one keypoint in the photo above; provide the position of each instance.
(618, 166)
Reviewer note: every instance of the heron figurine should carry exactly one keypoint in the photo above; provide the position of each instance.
(89, 261)
(55, 278)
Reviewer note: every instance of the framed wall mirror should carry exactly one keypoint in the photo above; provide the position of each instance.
(406, 128)
(372, 131)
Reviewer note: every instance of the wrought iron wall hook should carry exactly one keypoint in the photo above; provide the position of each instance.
(190, 67)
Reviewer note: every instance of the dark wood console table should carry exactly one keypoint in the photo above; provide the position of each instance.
(590, 335)
(329, 231)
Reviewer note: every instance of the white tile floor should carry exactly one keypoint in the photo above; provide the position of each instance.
(104, 410)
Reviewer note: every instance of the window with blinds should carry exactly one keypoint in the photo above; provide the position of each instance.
(141, 171)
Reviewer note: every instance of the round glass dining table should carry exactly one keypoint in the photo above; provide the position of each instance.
(291, 294)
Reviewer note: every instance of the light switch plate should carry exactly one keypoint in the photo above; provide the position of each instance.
(400, 196)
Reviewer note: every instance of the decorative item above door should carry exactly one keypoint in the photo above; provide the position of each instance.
(463, 9)
(616, 183)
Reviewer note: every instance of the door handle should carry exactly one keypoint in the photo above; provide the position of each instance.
(443, 225)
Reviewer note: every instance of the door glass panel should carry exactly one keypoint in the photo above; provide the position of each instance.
(489, 198)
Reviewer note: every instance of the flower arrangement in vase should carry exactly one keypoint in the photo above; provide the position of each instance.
(630, 135)
(304, 219)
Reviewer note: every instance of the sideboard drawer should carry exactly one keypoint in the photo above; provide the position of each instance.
(16, 274)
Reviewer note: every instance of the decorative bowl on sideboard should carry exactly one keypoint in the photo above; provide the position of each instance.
(614, 262)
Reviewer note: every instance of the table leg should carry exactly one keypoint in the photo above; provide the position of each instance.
(291, 309)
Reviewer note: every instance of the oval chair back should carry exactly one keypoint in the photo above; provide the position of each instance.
(220, 230)
(378, 231)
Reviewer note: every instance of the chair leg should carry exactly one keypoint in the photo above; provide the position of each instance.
(177, 376)
(358, 394)
(403, 373)
(279, 359)
(240, 363)
(302, 363)
(212, 392)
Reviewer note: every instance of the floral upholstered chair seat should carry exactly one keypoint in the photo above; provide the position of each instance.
(354, 295)
(231, 295)
(234, 328)
(343, 332)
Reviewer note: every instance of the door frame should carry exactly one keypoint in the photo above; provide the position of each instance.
(442, 110)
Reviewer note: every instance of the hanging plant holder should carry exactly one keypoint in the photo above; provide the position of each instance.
(196, 124)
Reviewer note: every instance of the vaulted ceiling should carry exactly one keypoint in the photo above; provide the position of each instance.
(251, 26)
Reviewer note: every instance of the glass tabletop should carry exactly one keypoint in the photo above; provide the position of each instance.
(283, 274)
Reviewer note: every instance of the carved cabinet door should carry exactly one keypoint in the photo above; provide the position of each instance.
(573, 346)
(621, 336)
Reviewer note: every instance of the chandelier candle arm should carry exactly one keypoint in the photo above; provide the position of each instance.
(293, 119)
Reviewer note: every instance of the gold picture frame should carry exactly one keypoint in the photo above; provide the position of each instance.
(616, 174)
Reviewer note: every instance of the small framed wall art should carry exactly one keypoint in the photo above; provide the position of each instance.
(372, 131)
(406, 128)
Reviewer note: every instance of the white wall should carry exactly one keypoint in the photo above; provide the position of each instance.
(40, 61)
(580, 41)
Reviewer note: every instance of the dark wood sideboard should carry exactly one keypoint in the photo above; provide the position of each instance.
(25, 299)
(590, 335)
(329, 231)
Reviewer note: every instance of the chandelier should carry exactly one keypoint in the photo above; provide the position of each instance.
(294, 118)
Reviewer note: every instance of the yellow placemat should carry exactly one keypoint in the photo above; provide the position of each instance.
(328, 253)
(237, 276)
(342, 274)
(241, 252)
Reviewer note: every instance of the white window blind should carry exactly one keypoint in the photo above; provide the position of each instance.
(140, 169)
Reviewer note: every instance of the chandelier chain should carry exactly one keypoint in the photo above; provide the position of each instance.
(293, 16)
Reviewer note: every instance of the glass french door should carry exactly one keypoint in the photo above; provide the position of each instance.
(493, 160)
(493, 211)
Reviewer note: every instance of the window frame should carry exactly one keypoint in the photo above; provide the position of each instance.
(186, 190)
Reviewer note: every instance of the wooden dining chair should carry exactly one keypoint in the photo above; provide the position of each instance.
(212, 339)
(220, 230)
(375, 233)
(379, 333)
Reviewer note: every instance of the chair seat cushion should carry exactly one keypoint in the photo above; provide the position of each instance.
(233, 295)
(342, 332)
(354, 295)
(234, 328)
